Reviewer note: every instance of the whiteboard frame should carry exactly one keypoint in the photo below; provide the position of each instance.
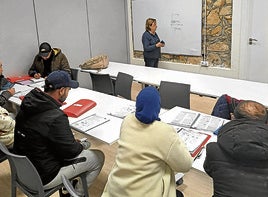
(179, 24)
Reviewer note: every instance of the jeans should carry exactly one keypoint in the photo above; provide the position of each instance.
(151, 62)
(92, 165)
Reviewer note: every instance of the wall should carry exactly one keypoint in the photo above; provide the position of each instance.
(18, 37)
(222, 46)
(78, 27)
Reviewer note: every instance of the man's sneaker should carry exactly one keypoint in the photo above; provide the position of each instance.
(64, 193)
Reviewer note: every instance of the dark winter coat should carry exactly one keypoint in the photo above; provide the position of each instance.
(43, 134)
(58, 62)
(238, 161)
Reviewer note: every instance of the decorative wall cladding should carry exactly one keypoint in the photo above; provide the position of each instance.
(216, 36)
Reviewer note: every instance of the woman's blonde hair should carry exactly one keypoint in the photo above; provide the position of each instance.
(148, 23)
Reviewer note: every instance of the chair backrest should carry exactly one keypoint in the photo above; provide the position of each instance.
(68, 185)
(102, 83)
(3, 156)
(84, 80)
(123, 85)
(24, 174)
(174, 94)
(74, 73)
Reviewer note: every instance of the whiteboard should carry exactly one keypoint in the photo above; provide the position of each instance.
(179, 24)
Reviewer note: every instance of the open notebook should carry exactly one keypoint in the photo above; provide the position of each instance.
(194, 140)
(181, 117)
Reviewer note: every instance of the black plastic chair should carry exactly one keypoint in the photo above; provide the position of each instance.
(123, 85)
(25, 176)
(68, 186)
(102, 83)
(74, 73)
(3, 156)
(174, 94)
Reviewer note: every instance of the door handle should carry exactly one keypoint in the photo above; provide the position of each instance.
(252, 41)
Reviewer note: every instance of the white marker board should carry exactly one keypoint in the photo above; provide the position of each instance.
(179, 24)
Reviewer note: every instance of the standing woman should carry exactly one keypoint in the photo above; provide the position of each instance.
(151, 44)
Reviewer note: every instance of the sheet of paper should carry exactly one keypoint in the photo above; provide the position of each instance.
(208, 122)
(123, 112)
(89, 122)
(185, 118)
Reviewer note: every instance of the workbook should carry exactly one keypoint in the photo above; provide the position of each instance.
(194, 140)
(178, 116)
(185, 118)
(123, 111)
(21, 90)
(79, 107)
(89, 122)
(208, 122)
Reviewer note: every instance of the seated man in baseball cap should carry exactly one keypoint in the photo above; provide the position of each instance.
(48, 60)
(43, 134)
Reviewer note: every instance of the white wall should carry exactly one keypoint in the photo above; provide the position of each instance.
(236, 54)
(18, 38)
(81, 28)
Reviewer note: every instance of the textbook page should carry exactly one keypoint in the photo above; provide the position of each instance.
(208, 122)
(180, 117)
(21, 90)
(89, 122)
(193, 139)
(123, 111)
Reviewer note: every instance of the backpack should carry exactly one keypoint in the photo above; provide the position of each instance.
(224, 106)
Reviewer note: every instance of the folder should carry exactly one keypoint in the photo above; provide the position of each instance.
(14, 79)
(79, 107)
(199, 149)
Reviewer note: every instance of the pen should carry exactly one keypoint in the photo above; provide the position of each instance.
(200, 153)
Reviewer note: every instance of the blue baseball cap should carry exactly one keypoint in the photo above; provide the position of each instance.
(58, 79)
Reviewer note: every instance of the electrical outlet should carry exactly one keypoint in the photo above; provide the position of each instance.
(204, 63)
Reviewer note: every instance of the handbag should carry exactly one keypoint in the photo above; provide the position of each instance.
(96, 63)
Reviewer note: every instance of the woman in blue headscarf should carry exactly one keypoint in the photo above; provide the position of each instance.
(148, 154)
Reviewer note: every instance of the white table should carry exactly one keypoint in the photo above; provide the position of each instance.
(168, 116)
(201, 84)
(109, 131)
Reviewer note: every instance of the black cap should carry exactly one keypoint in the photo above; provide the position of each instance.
(44, 49)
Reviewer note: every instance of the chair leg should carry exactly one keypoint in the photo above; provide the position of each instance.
(13, 190)
(84, 182)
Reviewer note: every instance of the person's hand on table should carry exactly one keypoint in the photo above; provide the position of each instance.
(11, 91)
(37, 75)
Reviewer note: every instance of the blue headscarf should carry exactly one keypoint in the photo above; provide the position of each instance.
(148, 105)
